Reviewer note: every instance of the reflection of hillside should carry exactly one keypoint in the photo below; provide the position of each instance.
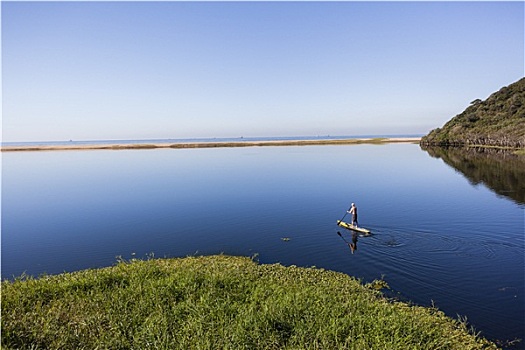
(501, 171)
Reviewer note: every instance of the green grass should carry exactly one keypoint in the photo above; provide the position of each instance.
(216, 302)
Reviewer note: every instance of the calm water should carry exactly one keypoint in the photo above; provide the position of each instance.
(437, 237)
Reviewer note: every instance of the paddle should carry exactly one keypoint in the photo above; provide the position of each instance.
(350, 245)
(340, 235)
(344, 215)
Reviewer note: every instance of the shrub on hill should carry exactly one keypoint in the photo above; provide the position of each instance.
(497, 121)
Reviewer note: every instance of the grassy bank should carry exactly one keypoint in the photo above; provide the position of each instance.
(216, 302)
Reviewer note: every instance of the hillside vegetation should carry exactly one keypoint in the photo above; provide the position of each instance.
(497, 121)
(217, 302)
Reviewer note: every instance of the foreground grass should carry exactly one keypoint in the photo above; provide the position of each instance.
(216, 302)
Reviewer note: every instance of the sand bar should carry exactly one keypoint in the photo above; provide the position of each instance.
(120, 146)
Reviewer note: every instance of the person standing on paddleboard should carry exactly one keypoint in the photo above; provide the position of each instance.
(353, 211)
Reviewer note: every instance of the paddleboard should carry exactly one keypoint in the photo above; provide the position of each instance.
(353, 228)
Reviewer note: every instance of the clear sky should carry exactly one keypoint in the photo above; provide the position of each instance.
(143, 70)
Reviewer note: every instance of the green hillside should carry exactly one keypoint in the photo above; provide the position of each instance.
(497, 121)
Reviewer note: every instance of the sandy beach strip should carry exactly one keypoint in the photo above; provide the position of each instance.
(120, 146)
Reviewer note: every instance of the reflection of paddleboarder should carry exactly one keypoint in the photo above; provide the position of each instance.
(353, 211)
(353, 245)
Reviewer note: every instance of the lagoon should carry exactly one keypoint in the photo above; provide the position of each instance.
(439, 239)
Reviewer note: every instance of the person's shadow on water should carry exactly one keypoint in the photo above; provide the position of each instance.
(353, 245)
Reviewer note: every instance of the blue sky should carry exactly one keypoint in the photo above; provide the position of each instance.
(143, 70)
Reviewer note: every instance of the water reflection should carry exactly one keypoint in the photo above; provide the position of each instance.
(353, 244)
(502, 171)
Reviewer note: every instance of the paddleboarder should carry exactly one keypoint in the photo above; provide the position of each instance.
(353, 211)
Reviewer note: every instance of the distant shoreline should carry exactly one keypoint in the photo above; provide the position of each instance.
(121, 146)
